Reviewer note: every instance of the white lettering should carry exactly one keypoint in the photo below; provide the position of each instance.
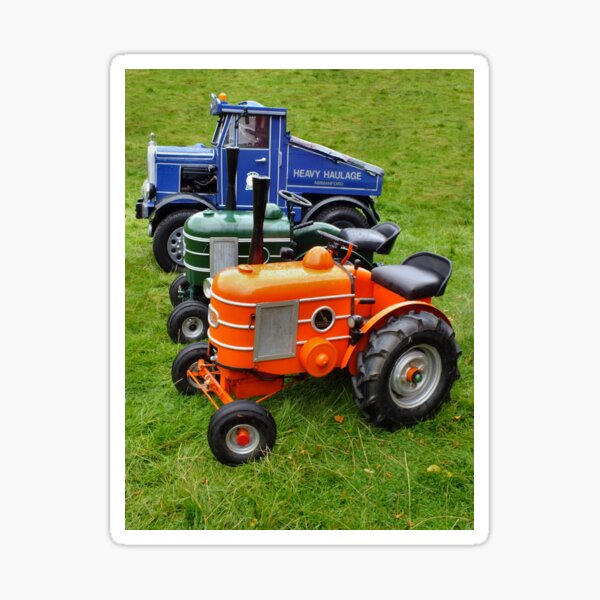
(307, 173)
(354, 175)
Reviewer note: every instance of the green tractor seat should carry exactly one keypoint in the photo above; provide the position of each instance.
(380, 238)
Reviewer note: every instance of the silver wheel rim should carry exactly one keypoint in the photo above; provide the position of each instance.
(231, 439)
(415, 376)
(175, 245)
(192, 328)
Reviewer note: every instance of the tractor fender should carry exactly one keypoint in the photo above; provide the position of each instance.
(170, 204)
(376, 322)
(365, 205)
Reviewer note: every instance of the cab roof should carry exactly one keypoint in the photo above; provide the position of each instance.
(247, 107)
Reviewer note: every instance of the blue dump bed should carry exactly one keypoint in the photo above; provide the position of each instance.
(312, 168)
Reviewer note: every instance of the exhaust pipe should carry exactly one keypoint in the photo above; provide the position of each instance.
(260, 197)
(232, 163)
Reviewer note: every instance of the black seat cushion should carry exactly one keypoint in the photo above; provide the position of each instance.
(363, 239)
(410, 282)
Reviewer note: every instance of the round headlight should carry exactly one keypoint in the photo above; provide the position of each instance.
(207, 286)
(355, 321)
(148, 190)
(213, 317)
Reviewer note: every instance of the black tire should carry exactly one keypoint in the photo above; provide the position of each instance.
(179, 282)
(417, 345)
(168, 241)
(186, 360)
(244, 419)
(188, 322)
(341, 216)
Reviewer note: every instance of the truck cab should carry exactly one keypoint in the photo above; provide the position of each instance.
(184, 180)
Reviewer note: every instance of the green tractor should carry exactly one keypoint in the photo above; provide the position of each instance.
(215, 240)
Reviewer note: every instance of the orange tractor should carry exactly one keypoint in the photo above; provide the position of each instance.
(272, 321)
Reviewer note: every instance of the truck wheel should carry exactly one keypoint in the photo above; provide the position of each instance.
(179, 282)
(168, 241)
(341, 216)
(241, 431)
(188, 322)
(187, 360)
(406, 371)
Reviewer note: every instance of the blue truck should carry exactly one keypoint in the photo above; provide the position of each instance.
(185, 179)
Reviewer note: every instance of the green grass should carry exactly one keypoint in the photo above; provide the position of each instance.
(418, 126)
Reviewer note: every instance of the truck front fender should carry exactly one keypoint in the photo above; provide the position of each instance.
(176, 202)
(378, 320)
(365, 205)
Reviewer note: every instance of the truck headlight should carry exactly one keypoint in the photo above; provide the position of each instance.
(207, 287)
(148, 190)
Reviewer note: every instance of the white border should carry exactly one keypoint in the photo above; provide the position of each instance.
(117, 295)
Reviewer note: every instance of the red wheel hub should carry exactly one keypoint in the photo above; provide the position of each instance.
(414, 375)
(242, 437)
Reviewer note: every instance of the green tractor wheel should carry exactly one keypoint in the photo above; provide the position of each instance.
(178, 290)
(188, 322)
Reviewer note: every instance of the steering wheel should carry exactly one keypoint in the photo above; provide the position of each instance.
(292, 198)
(337, 244)
(335, 241)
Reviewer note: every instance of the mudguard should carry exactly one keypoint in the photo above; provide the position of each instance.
(178, 202)
(365, 205)
(377, 320)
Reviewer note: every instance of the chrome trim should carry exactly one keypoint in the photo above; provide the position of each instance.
(207, 288)
(151, 160)
(191, 268)
(252, 111)
(212, 311)
(326, 297)
(337, 318)
(231, 302)
(312, 319)
(236, 325)
(188, 251)
(228, 346)
(198, 154)
(251, 305)
(241, 240)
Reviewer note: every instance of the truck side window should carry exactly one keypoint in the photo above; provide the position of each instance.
(253, 132)
(229, 139)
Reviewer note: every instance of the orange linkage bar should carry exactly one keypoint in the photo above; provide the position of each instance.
(209, 384)
(267, 396)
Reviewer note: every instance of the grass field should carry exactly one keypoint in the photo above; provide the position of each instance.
(323, 473)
